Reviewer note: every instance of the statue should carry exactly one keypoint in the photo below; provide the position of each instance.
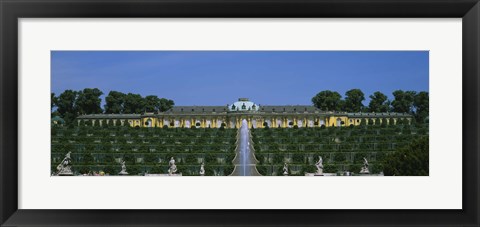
(319, 166)
(64, 168)
(285, 169)
(364, 169)
(124, 169)
(202, 170)
(173, 167)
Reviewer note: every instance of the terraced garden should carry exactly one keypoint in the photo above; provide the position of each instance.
(342, 149)
(145, 150)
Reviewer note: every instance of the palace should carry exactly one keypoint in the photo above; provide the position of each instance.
(231, 116)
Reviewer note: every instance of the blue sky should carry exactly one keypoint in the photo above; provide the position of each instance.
(221, 77)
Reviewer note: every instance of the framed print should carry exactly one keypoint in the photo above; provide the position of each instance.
(239, 113)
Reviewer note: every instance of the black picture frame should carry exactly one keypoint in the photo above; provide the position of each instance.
(12, 10)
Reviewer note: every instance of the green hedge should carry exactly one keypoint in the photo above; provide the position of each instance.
(144, 149)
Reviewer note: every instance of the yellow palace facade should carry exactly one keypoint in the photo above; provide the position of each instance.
(231, 116)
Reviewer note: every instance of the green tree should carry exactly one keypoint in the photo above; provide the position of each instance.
(152, 103)
(134, 103)
(378, 103)
(403, 102)
(165, 104)
(66, 105)
(421, 103)
(353, 100)
(327, 100)
(53, 101)
(114, 102)
(412, 160)
(88, 101)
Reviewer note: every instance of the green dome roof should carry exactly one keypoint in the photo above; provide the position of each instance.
(58, 120)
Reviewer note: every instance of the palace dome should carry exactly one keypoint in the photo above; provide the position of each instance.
(243, 104)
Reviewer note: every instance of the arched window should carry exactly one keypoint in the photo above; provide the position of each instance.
(339, 122)
(148, 123)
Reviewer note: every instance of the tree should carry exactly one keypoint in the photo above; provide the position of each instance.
(114, 102)
(66, 105)
(88, 101)
(412, 160)
(353, 100)
(403, 102)
(165, 104)
(378, 103)
(152, 103)
(53, 101)
(53, 104)
(420, 103)
(327, 100)
(134, 103)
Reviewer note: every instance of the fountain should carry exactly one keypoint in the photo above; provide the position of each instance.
(244, 146)
(244, 160)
